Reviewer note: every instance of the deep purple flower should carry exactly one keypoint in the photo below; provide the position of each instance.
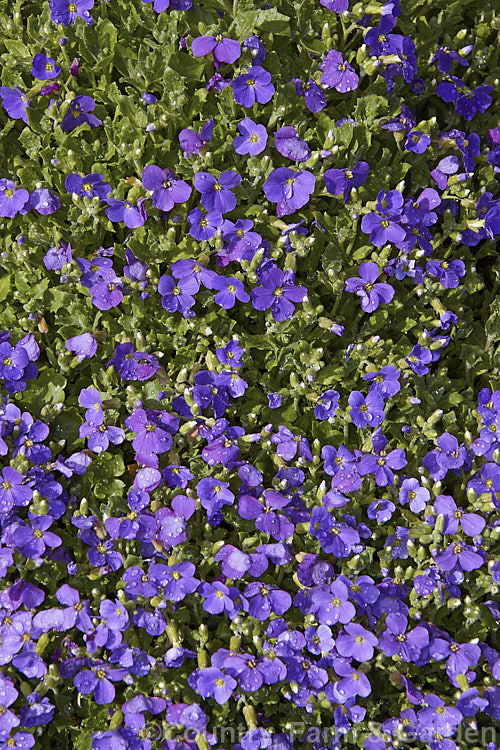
(44, 67)
(326, 405)
(263, 599)
(81, 106)
(230, 289)
(419, 359)
(314, 97)
(15, 103)
(215, 192)
(253, 138)
(99, 681)
(204, 227)
(289, 145)
(132, 216)
(412, 492)
(459, 555)
(12, 200)
(278, 293)
(33, 540)
(84, 346)
(338, 181)
(224, 50)
(289, 189)
(253, 86)
(263, 512)
(64, 12)
(417, 141)
(177, 295)
(356, 642)
(396, 640)
(166, 188)
(382, 229)
(212, 683)
(448, 273)
(90, 186)
(371, 292)
(12, 490)
(367, 410)
(338, 74)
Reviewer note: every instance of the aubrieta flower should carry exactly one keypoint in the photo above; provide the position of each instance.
(44, 67)
(80, 107)
(253, 86)
(12, 199)
(65, 13)
(132, 216)
(177, 295)
(289, 189)
(166, 188)
(253, 138)
(367, 410)
(366, 286)
(278, 293)
(326, 405)
(418, 359)
(215, 192)
(224, 50)
(417, 141)
(338, 74)
(313, 96)
(289, 145)
(90, 186)
(341, 181)
(15, 103)
(161, 5)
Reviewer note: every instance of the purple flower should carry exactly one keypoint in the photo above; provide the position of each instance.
(177, 295)
(326, 405)
(217, 598)
(253, 138)
(180, 581)
(419, 359)
(131, 365)
(290, 146)
(417, 142)
(154, 430)
(356, 642)
(459, 555)
(230, 289)
(412, 492)
(367, 410)
(12, 200)
(216, 193)
(204, 227)
(289, 189)
(264, 513)
(339, 181)
(385, 382)
(449, 274)
(382, 229)
(65, 12)
(12, 491)
(33, 540)
(166, 188)
(99, 681)
(265, 599)
(365, 285)
(396, 640)
(253, 86)
(331, 604)
(224, 50)
(337, 73)
(132, 216)
(314, 97)
(212, 683)
(278, 293)
(15, 103)
(44, 67)
(81, 106)
(214, 494)
(84, 346)
(90, 186)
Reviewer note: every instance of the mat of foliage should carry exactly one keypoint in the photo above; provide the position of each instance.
(249, 352)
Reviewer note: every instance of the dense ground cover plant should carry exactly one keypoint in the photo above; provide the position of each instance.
(249, 348)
